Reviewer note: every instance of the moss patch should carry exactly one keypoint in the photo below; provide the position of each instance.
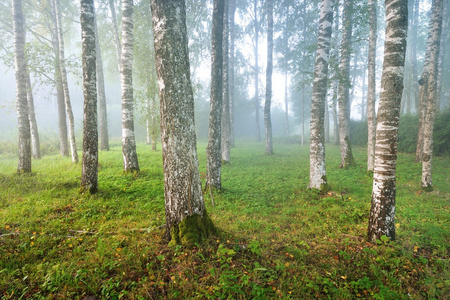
(192, 229)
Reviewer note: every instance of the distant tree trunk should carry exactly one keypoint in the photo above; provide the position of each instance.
(24, 165)
(130, 159)
(442, 53)
(286, 104)
(102, 110)
(89, 174)
(382, 211)
(232, 12)
(336, 81)
(213, 150)
(317, 170)
(186, 219)
(269, 70)
(115, 33)
(414, 54)
(65, 83)
(326, 122)
(225, 127)
(432, 96)
(62, 122)
(343, 96)
(371, 94)
(154, 122)
(423, 93)
(35, 143)
(258, 131)
(363, 96)
(302, 114)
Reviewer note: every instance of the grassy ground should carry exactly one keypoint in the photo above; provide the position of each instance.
(277, 239)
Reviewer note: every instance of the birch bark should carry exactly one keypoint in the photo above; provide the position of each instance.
(102, 109)
(24, 165)
(117, 44)
(371, 117)
(213, 150)
(130, 159)
(186, 218)
(269, 70)
(344, 81)
(225, 126)
(89, 174)
(65, 83)
(35, 142)
(317, 170)
(432, 96)
(382, 211)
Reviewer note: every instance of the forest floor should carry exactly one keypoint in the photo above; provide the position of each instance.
(276, 238)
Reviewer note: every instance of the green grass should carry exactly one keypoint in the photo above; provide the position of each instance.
(277, 239)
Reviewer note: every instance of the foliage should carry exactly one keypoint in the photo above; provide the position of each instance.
(276, 238)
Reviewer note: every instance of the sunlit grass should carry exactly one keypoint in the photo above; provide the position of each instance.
(277, 238)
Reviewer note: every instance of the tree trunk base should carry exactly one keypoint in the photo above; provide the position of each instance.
(192, 229)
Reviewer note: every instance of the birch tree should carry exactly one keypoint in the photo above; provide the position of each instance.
(115, 30)
(317, 170)
(371, 118)
(256, 68)
(130, 159)
(344, 82)
(231, 25)
(432, 95)
(225, 125)
(187, 221)
(382, 211)
(102, 109)
(213, 150)
(35, 142)
(64, 81)
(89, 174)
(24, 165)
(269, 70)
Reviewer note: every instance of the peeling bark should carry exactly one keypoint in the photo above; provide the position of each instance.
(382, 211)
(89, 174)
(186, 219)
(24, 164)
(317, 170)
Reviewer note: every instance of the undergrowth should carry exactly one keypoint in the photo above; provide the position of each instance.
(276, 238)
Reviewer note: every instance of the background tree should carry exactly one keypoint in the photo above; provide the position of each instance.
(102, 109)
(187, 221)
(226, 119)
(64, 81)
(35, 141)
(24, 165)
(130, 159)
(317, 170)
(213, 150)
(344, 82)
(432, 95)
(371, 117)
(382, 210)
(89, 174)
(269, 68)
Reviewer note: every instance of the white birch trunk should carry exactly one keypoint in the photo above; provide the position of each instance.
(117, 44)
(371, 117)
(432, 96)
(65, 83)
(213, 150)
(89, 174)
(231, 70)
(344, 82)
(130, 159)
(24, 165)
(186, 218)
(317, 170)
(35, 142)
(225, 126)
(257, 104)
(382, 211)
(269, 71)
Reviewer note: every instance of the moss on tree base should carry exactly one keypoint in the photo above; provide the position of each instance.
(192, 229)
